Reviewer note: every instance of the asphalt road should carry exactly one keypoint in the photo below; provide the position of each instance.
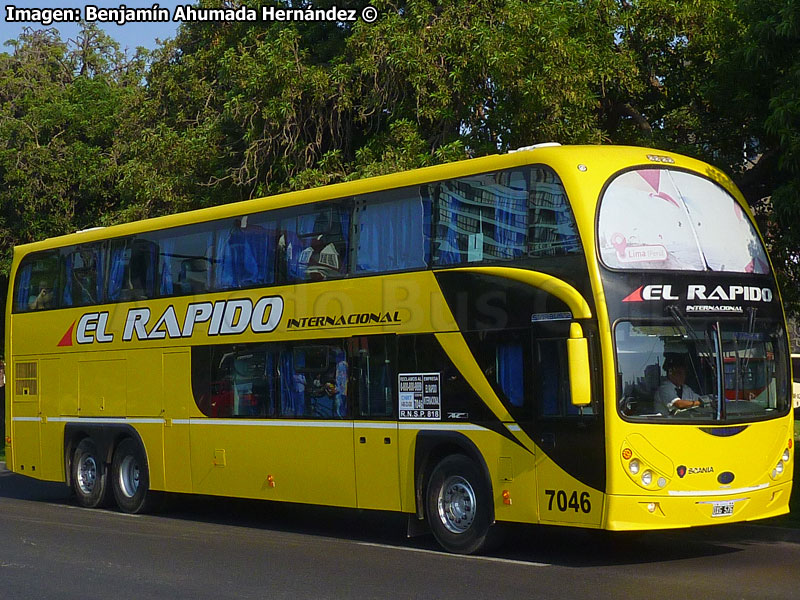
(200, 547)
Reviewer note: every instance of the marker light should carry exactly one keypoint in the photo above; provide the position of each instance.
(634, 466)
(506, 497)
(652, 507)
(647, 477)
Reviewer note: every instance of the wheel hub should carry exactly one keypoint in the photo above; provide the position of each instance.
(129, 476)
(457, 504)
(87, 474)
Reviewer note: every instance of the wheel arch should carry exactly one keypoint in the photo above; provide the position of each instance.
(433, 446)
(105, 436)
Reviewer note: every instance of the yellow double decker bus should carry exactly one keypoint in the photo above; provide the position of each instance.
(582, 336)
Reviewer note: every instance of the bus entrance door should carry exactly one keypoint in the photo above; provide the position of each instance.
(372, 377)
(377, 474)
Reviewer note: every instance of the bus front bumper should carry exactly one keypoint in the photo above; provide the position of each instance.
(685, 509)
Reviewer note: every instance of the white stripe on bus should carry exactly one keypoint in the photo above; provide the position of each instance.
(443, 426)
(262, 423)
(106, 420)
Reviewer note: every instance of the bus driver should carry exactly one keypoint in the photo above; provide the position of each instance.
(674, 394)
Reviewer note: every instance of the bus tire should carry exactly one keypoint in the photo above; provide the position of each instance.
(88, 472)
(458, 504)
(130, 478)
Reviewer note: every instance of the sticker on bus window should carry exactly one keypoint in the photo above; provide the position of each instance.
(420, 396)
(475, 247)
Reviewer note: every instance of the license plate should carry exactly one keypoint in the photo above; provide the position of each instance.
(722, 509)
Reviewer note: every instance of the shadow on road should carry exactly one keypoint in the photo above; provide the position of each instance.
(527, 543)
(25, 488)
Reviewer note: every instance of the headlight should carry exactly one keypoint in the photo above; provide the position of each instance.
(647, 477)
(634, 466)
(779, 468)
(785, 456)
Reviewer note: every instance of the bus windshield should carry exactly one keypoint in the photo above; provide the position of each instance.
(671, 371)
(669, 219)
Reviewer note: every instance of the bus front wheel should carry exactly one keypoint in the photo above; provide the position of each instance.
(88, 475)
(130, 478)
(457, 505)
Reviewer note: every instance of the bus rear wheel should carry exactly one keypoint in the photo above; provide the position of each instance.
(130, 478)
(88, 472)
(458, 505)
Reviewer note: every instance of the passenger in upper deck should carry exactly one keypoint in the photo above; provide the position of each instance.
(45, 297)
(674, 394)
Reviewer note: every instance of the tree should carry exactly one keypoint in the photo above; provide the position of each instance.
(265, 108)
(755, 92)
(59, 114)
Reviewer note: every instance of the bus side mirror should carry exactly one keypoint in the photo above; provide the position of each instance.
(580, 384)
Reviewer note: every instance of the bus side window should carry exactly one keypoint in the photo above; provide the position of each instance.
(391, 231)
(503, 215)
(83, 281)
(504, 359)
(185, 261)
(552, 385)
(244, 254)
(373, 372)
(313, 380)
(313, 246)
(131, 275)
(252, 383)
(509, 359)
(37, 283)
(234, 380)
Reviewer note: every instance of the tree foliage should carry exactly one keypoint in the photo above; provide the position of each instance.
(757, 91)
(60, 107)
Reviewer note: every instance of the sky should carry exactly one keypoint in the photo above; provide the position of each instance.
(129, 35)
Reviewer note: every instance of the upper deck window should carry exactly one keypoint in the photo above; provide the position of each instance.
(508, 215)
(504, 215)
(653, 219)
(38, 283)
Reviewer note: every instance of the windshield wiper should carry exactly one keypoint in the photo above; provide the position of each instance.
(681, 320)
(720, 380)
(751, 327)
(711, 345)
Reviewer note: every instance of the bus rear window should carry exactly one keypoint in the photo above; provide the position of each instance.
(672, 220)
